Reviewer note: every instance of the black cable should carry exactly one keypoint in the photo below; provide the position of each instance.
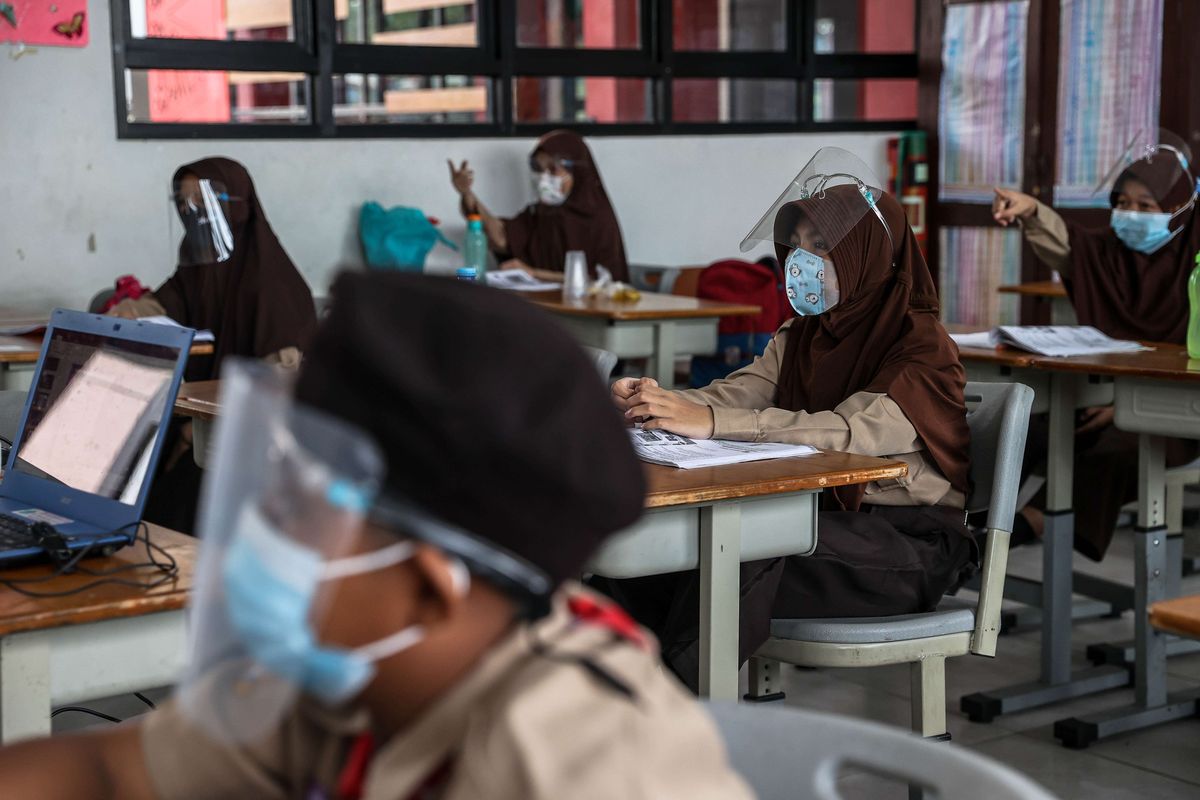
(83, 710)
(144, 699)
(169, 567)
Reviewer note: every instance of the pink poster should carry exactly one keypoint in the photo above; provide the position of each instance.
(53, 23)
(187, 96)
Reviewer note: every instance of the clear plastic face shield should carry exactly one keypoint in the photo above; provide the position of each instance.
(1149, 187)
(552, 177)
(283, 510)
(829, 197)
(200, 221)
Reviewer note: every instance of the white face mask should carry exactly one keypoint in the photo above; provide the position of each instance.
(549, 188)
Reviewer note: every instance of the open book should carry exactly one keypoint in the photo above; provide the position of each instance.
(518, 280)
(660, 447)
(1049, 340)
(201, 336)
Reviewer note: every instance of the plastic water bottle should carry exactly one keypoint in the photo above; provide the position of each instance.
(466, 274)
(476, 251)
(1193, 331)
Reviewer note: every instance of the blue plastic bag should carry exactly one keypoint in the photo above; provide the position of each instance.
(397, 238)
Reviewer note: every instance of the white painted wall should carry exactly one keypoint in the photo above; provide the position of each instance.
(65, 181)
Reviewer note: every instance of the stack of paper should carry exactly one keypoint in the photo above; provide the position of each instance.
(660, 447)
(518, 280)
(201, 336)
(1049, 340)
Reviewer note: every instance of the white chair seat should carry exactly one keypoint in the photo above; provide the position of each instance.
(952, 616)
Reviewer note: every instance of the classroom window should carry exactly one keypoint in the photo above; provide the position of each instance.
(315, 68)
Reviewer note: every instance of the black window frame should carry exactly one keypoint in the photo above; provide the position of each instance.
(315, 52)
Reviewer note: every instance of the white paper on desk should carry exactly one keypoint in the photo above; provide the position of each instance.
(984, 339)
(14, 348)
(201, 336)
(518, 280)
(23, 330)
(668, 449)
(1064, 340)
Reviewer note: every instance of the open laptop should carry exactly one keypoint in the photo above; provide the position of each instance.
(90, 435)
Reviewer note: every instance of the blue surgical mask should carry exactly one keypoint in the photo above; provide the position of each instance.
(1143, 231)
(811, 283)
(270, 584)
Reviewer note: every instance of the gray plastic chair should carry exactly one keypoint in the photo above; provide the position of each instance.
(604, 360)
(788, 754)
(998, 414)
(100, 299)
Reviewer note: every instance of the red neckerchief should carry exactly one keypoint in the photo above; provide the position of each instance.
(126, 287)
(610, 616)
(352, 781)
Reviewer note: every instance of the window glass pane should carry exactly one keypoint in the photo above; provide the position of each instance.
(360, 99)
(424, 23)
(733, 100)
(212, 96)
(864, 99)
(597, 24)
(603, 100)
(759, 25)
(212, 19)
(866, 26)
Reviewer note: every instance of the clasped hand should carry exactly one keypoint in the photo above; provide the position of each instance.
(643, 400)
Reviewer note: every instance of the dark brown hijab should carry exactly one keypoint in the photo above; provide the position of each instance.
(541, 235)
(883, 336)
(1132, 295)
(256, 303)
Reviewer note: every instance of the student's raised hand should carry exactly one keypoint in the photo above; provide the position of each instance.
(669, 411)
(462, 178)
(1009, 206)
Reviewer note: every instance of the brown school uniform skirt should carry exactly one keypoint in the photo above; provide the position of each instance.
(879, 561)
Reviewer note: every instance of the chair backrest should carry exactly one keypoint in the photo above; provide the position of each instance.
(797, 755)
(998, 415)
(604, 360)
(97, 304)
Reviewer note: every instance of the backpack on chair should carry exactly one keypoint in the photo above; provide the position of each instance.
(740, 339)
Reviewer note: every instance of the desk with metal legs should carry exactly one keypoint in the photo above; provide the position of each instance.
(1059, 394)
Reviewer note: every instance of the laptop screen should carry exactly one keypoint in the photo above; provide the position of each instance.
(95, 413)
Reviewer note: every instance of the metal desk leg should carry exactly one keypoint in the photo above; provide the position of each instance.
(663, 366)
(720, 598)
(1056, 683)
(1152, 705)
(24, 687)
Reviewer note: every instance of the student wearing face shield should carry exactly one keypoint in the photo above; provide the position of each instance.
(571, 211)
(386, 605)
(234, 278)
(1130, 281)
(865, 367)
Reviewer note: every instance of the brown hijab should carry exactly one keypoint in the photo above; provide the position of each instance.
(256, 303)
(883, 336)
(1132, 295)
(541, 235)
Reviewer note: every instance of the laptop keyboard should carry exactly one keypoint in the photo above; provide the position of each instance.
(16, 533)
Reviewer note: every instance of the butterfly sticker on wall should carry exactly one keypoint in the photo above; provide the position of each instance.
(72, 28)
(8, 13)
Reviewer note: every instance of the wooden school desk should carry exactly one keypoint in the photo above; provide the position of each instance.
(104, 641)
(1154, 394)
(1053, 292)
(1180, 616)
(712, 519)
(21, 352)
(658, 326)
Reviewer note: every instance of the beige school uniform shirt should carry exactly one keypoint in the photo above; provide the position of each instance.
(865, 423)
(521, 726)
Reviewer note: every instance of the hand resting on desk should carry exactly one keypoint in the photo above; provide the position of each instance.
(642, 399)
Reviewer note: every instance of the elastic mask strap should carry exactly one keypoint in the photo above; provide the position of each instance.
(389, 646)
(367, 562)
